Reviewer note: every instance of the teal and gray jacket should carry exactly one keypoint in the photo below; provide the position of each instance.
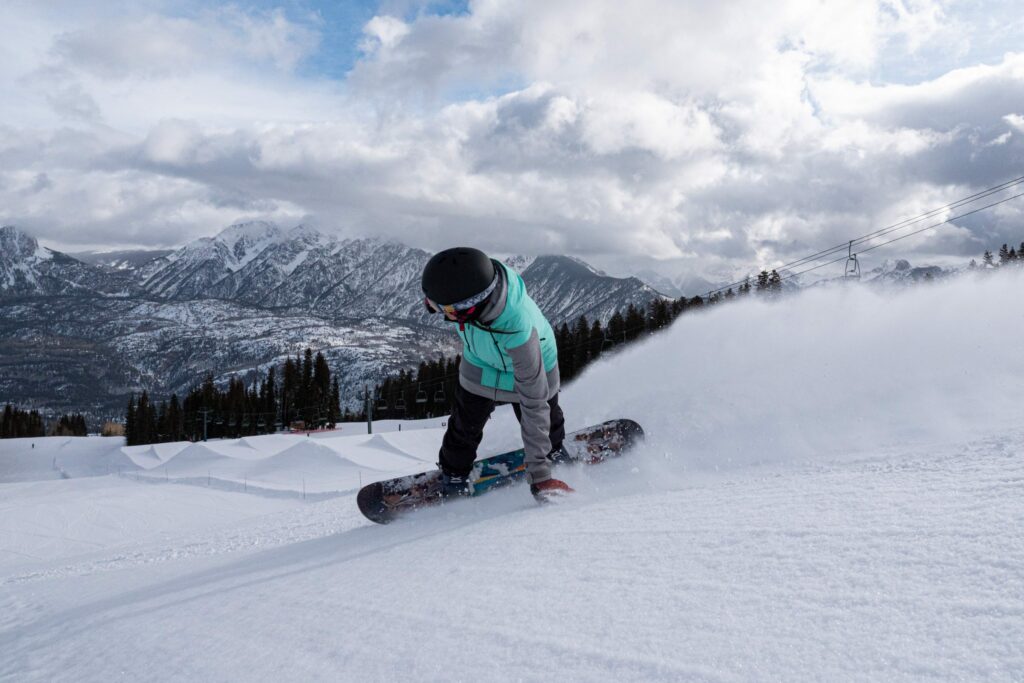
(510, 356)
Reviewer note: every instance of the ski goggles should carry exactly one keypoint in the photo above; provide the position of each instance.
(463, 308)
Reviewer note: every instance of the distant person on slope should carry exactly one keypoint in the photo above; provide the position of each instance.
(508, 356)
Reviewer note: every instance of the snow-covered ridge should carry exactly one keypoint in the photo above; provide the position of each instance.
(28, 269)
(20, 256)
(260, 263)
(519, 262)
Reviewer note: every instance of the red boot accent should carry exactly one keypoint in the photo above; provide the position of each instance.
(550, 488)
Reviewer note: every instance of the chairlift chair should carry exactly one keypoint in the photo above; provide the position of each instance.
(400, 404)
(852, 268)
(852, 271)
(439, 396)
(421, 396)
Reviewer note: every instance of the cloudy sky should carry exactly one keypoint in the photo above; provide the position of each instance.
(678, 134)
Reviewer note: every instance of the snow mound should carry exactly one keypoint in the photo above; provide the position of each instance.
(198, 459)
(309, 457)
(380, 443)
(378, 453)
(269, 443)
(145, 457)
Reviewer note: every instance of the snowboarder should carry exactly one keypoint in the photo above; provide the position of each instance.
(508, 356)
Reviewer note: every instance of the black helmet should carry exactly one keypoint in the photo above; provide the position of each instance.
(456, 275)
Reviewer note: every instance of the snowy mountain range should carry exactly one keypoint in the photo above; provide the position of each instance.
(81, 333)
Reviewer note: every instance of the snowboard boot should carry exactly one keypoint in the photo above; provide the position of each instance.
(550, 489)
(454, 486)
(559, 455)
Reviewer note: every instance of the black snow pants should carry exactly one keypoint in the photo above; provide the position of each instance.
(466, 428)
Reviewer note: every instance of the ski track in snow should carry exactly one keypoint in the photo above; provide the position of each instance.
(828, 505)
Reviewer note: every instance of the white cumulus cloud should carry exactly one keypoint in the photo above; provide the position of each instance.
(709, 136)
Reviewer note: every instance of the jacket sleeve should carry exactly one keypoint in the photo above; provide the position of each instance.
(531, 385)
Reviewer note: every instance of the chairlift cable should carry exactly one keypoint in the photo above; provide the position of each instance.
(901, 225)
(903, 237)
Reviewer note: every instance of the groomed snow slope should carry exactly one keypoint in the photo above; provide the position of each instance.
(832, 489)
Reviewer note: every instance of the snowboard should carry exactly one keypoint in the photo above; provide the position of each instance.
(385, 501)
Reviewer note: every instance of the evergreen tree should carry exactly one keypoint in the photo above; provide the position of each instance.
(1004, 255)
(307, 400)
(289, 392)
(143, 433)
(175, 420)
(163, 429)
(334, 405)
(634, 323)
(581, 343)
(566, 358)
(617, 328)
(597, 340)
(658, 314)
(762, 282)
(131, 436)
(269, 399)
(986, 258)
(679, 307)
(321, 388)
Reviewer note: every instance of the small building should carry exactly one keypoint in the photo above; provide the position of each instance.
(112, 429)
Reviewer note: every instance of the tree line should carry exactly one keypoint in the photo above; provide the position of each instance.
(1007, 256)
(70, 425)
(301, 394)
(16, 424)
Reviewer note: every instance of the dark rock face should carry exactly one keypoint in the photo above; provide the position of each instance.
(566, 288)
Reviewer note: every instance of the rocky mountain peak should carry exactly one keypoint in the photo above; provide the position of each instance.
(16, 245)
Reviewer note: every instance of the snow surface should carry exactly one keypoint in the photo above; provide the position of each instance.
(832, 489)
